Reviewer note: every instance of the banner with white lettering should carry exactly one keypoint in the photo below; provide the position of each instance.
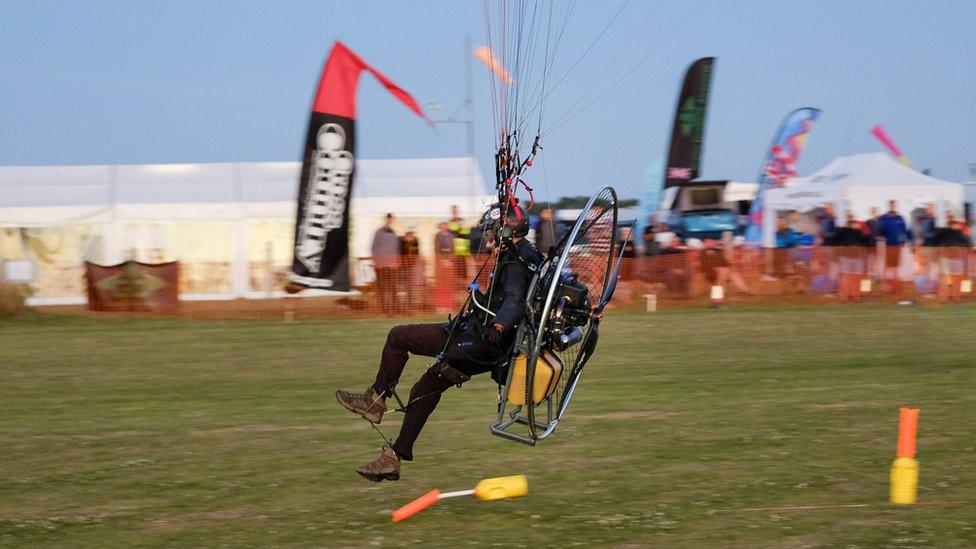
(325, 185)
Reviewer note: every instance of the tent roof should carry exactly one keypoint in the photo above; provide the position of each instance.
(866, 170)
(22, 186)
(39, 186)
(858, 177)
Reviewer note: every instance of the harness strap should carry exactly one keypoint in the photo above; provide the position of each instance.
(403, 407)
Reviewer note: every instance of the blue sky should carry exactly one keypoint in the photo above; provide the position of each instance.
(93, 82)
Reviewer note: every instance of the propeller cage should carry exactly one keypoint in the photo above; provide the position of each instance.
(559, 322)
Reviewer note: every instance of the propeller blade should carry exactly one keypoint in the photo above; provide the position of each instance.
(586, 350)
(611, 287)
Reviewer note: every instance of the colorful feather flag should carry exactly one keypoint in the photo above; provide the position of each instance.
(882, 136)
(483, 54)
(780, 163)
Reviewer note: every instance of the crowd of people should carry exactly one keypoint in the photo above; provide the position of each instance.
(890, 227)
(401, 282)
(896, 242)
(401, 271)
(814, 254)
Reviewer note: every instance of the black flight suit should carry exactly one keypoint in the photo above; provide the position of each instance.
(468, 351)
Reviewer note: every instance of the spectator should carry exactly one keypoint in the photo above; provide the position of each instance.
(455, 222)
(786, 239)
(409, 245)
(717, 268)
(462, 247)
(412, 277)
(666, 238)
(852, 222)
(649, 241)
(925, 227)
(803, 236)
(786, 236)
(444, 282)
(957, 224)
(796, 222)
(677, 270)
(443, 241)
(547, 233)
(952, 246)
(874, 224)
(955, 234)
(895, 235)
(667, 269)
(927, 273)
(828, 224)
(386, 261)
(926, 224)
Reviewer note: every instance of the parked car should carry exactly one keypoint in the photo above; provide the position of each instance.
(704, 224)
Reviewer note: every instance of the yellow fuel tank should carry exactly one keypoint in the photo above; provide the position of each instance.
(548, 368)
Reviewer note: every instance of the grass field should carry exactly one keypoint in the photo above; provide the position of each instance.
(690, 428)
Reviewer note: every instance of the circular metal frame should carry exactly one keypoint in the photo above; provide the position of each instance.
(544, 317)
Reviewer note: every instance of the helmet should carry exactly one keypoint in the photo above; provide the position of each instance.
(516, 222)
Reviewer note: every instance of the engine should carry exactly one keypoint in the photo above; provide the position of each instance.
(570, 312)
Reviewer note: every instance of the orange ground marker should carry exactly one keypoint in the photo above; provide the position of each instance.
(907, 431)
(904, 470)
(417, 505)
(488, 489)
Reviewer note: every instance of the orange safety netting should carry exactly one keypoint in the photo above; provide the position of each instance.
(675, 278)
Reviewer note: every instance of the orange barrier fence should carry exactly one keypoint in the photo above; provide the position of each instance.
(673, 279)
(810, 274)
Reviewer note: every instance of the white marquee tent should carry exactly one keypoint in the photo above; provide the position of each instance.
(858, 183)
(228, 223)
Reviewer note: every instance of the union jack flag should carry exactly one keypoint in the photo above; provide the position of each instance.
(679, 173)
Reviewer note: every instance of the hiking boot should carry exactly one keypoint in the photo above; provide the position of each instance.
(387, 466)
(370, 405)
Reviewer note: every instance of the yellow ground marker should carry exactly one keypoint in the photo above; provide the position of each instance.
(488, 489)
(904, 470)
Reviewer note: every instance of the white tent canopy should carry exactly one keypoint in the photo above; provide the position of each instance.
(45, 196)
(856, 184)
(138, 207)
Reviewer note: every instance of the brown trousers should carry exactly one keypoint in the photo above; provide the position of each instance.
(468, 353)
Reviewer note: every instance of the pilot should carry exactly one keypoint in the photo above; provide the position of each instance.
(476, 342)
